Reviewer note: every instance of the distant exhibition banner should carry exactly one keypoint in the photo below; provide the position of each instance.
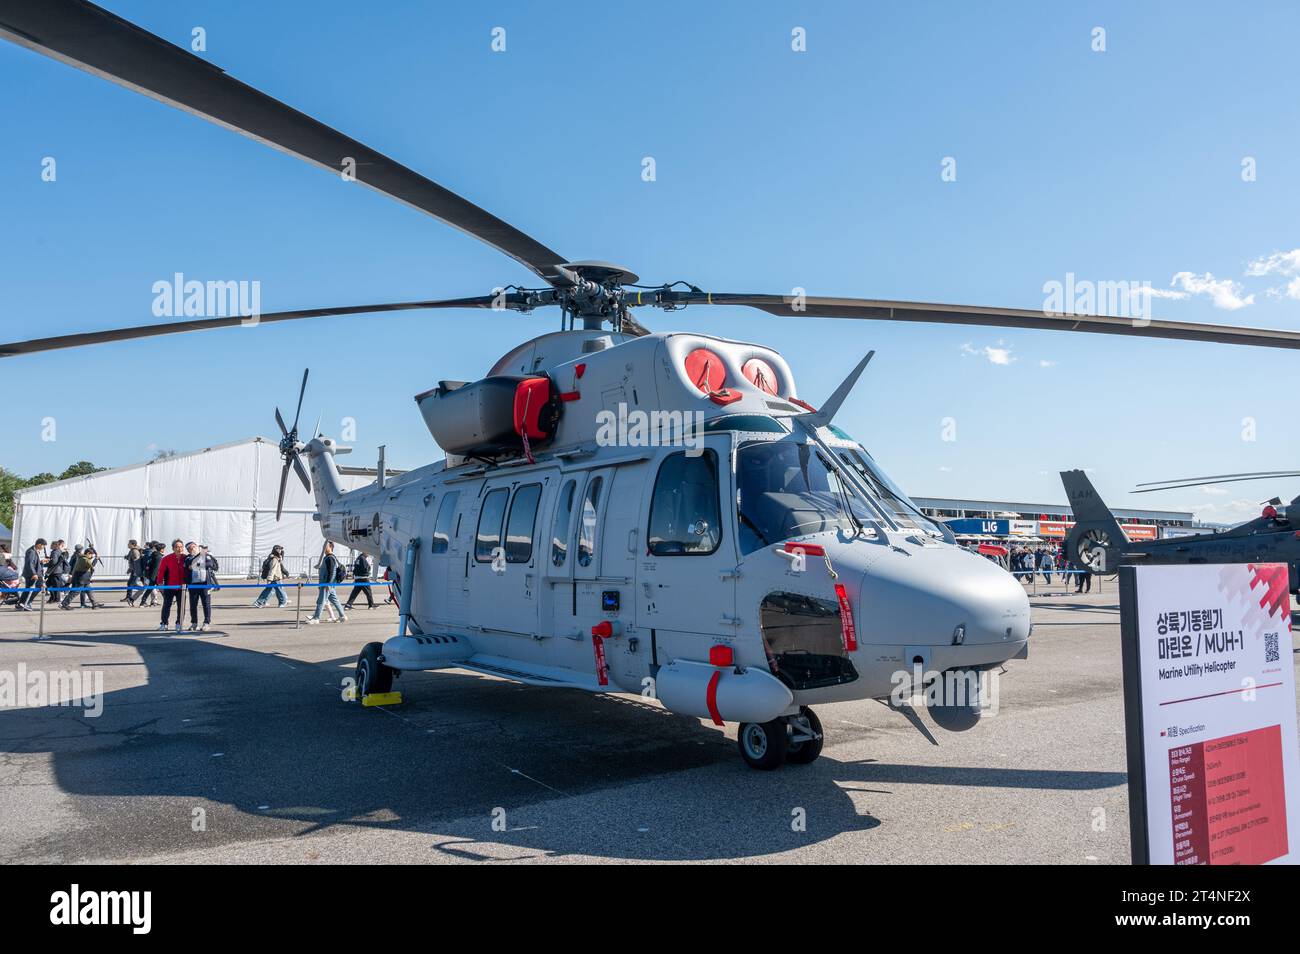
(1210, 710)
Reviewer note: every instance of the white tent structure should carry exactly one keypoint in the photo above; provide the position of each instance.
(222, 496)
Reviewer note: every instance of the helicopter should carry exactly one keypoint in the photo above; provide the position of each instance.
(1097, 542)
(620, 510)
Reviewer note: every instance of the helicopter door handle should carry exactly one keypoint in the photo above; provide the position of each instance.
(729, 620)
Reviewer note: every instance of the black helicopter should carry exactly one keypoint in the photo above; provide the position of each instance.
(1097, 543)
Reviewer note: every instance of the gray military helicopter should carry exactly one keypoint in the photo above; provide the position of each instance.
(622, 511)
(1097, 543)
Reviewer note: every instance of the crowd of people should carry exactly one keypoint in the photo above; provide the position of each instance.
(1027, 563)
(187, 573)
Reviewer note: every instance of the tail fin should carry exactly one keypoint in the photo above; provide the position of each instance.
(1086, 503)
(1096, 540)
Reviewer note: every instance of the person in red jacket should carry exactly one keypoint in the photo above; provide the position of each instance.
(171, 574)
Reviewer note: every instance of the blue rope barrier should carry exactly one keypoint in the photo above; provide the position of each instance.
(219, 586)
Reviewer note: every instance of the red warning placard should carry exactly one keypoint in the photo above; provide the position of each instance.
(1228, 799)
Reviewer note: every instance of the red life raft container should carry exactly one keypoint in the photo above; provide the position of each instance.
(489, 417)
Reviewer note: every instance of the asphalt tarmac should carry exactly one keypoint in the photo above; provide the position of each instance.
(236, 745)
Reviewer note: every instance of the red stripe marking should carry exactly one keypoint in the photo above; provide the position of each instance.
(711, 697)
(847, 629)
(602, 670)
(570, 396)
(1229, 692)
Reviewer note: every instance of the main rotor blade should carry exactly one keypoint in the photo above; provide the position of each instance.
(280, 420)
(301, 391)
(787, 306)
(92, 39)
(206, 324)
(1141, 489)
(1216, 477)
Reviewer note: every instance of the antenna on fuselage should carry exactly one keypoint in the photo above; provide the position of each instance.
(827, 412)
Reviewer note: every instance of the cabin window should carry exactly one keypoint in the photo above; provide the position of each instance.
(563, 519)
(519, 525)
(446, 517)
(587, 526)
(685, 516)
(488, 537)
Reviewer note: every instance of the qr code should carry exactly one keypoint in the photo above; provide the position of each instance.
(1271, 653)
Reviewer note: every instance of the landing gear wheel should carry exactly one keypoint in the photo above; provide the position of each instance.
(762, 744)
(372, 675)
(805, 750)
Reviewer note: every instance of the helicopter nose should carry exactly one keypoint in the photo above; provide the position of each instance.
(943, 596)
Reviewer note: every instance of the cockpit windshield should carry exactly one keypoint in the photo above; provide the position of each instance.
(886, 493)
(786, 489)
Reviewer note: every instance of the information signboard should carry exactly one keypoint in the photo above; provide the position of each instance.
(1210, 711)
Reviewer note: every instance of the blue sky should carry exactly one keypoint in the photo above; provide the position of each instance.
(775, 169)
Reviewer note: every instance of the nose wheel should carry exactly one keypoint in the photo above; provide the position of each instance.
(767, 745)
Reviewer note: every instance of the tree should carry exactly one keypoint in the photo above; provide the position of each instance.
(80, 469)
(11, 483)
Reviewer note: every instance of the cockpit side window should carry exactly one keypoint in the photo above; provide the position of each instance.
(685, 515)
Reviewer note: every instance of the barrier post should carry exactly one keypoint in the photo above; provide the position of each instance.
(40, 630)
(297, 613)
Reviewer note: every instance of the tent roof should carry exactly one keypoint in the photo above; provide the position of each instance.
(344, 471)
(146, 463)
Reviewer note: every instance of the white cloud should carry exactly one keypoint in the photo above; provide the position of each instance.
(1283, 264)
(1159, 292)
(1213, 491)
(996, 355)
(1230, 511)
(1224, 292)
(1044, 363)
(1279, 263)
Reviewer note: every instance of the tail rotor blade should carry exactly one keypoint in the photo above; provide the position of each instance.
(301, 471)
(301, 391)
(284, 485)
